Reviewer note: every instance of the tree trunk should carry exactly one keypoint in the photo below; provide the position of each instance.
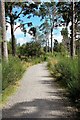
(51, 40)
(73, 31)
(3, 26)
(12, 33)
(48, 46)
(79, 58)
(13, 40)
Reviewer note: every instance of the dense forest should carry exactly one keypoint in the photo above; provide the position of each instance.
(63, 57)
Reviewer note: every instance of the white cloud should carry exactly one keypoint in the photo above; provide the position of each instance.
(21, 40)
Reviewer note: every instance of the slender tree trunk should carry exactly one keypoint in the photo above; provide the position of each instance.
(73, 31)
(0, 33)
(51, 23)
(12, 34)
(48, 46)
(51, 40)
(79, 58)
(3, 25)
(13, 40)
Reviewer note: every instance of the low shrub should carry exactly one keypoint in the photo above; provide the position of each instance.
(11, 71)
(37, 60)
(67, 73)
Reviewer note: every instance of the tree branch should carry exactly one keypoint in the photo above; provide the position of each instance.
(19, 26)
(18, 15)
(8, 22)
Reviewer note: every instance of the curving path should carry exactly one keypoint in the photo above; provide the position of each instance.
(38, 97)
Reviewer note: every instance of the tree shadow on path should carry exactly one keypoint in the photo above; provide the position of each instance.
(39, 108)
(56, 108)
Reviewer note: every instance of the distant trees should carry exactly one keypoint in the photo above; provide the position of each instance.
(47, 11)
(56, 44)
(30, 49)
(51, 14)
(45, 29)
(66, 39)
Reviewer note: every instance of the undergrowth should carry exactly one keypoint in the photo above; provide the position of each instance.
(11, 71)
(65, 71)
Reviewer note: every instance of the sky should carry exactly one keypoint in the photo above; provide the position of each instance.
(19, 35)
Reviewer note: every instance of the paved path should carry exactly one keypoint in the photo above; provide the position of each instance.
(38, 97)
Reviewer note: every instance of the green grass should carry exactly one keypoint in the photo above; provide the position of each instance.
(65, 71)
(34, 60)
(7, 93)
(12, 73)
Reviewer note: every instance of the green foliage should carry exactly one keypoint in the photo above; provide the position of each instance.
(30, 49)
(59, 48)
(62, 49)
(66, 72)
(55, 45)
(11, 71)
(64, 32)
(13, 16)
(37, 60)
(9, 47)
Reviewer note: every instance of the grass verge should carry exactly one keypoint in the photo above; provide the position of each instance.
(66, 73)
(12, 72)
(7, 93)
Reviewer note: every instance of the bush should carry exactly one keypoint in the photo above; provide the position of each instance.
(11, 71)
(67, 73)
(36, 60)
(32, 49)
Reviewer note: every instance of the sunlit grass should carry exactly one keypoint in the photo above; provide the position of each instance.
(12, 68)
(7, 93)
(12, 73)
(66, 73)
